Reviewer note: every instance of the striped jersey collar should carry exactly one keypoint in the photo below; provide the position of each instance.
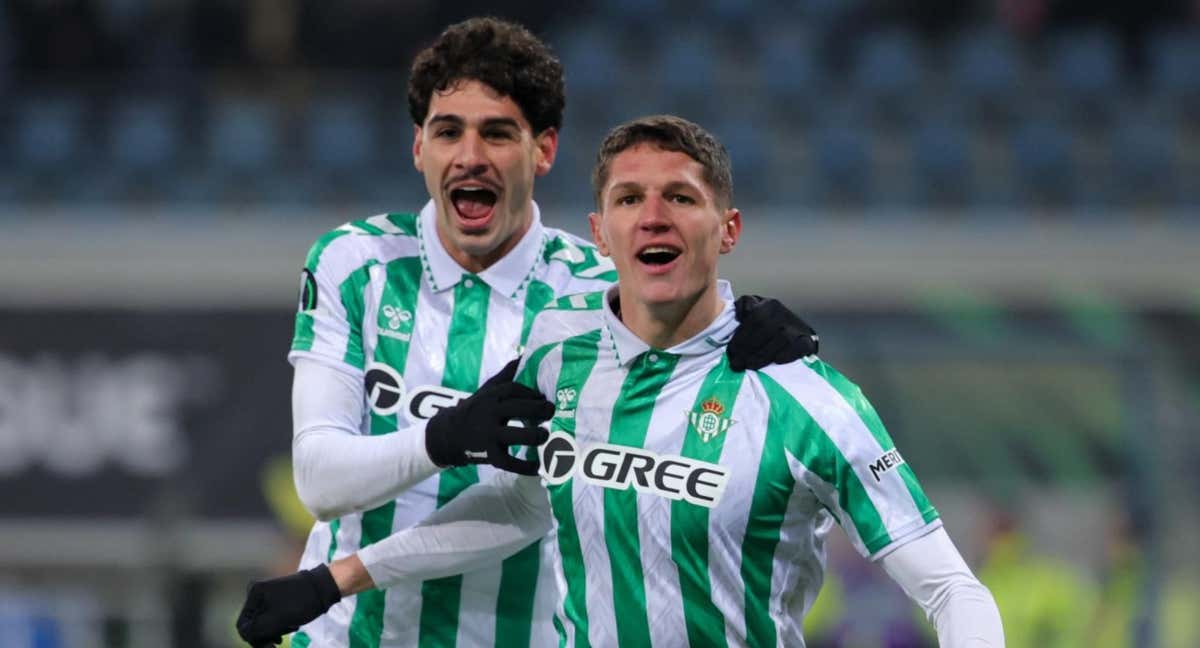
(629, 346)
(506, 276)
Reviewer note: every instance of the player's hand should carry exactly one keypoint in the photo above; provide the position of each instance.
(279, 606)
(768, 333)
(477, 429)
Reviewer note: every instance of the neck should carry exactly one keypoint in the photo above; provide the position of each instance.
(476, 263)
(664, 325)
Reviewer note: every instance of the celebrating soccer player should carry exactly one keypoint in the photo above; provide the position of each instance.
(689, 502)
(400, 317)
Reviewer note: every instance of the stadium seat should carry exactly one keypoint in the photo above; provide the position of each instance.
(48, 132)
(942, 164)
(1043, 165)
(790, 72)
(1175, 71)
(588, 59)
(987, 72)
(242, 135)
(747, 145)
(1144, 159)
(887, 75)
(340, 134)
(842, 166)
(684, 70)
(1086, 65)
(143, 134)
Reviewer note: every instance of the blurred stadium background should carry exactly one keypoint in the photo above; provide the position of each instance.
(988, 208)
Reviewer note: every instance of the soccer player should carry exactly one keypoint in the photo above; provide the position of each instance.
(402, 314)
(688, 503)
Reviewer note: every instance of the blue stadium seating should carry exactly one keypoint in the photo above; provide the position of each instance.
(1086, 66)
(986, 71)
(144, 134)
(1144, 163)
(746, 142)
(888, 73)
(842, 170)
(242, 135)
(48, 132)
(340, 134)
(941, 162)
(684, 72)
(1044, 168)
(1175, 70)
(789, 72)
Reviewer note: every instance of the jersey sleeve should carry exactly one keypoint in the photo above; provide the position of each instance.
(838, 449)
(328, 325)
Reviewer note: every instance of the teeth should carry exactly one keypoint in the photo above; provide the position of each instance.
(654, 249)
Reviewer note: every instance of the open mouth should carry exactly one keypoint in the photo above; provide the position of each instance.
(658, 255)
(474, 204)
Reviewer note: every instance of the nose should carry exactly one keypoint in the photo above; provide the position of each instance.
(470, 155)
(655, 214)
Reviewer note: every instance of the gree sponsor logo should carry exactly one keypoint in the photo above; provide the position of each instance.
(885, 462)
(387, 395)
(621, 467)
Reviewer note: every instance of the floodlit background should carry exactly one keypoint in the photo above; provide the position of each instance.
(987, 208)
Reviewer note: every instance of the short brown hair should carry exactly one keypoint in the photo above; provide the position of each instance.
(669, 133)
(498, 53)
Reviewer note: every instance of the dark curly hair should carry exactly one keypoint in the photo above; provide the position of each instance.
(501, 54)
(669, 133)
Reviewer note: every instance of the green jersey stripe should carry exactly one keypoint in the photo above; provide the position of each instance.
(630, 421)
(579, 355)
(518, 573)
(813, 448)
(537, 295)
(334, 527)
(405, 222)
(403, 283)
(768, 505)
(369, 228)
(352, 300)
(514, 605)
(442, 597)
(689, 522)
(870, 418)
(301, 640)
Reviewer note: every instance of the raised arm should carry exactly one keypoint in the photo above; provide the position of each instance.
(933, 574)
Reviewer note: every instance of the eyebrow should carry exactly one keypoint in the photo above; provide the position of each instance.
(457, 120)
(673, 186)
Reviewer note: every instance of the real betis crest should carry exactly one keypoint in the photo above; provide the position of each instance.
(708, 422)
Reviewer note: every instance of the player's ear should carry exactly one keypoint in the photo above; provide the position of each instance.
(731, 229)
(595, 219)
(546, 143)
(417, 148)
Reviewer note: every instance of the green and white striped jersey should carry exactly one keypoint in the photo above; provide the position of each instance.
(691, 502)
(382, 300)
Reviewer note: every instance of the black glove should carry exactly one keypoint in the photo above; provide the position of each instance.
(768, 333)
(279, 606)
(477, 429)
